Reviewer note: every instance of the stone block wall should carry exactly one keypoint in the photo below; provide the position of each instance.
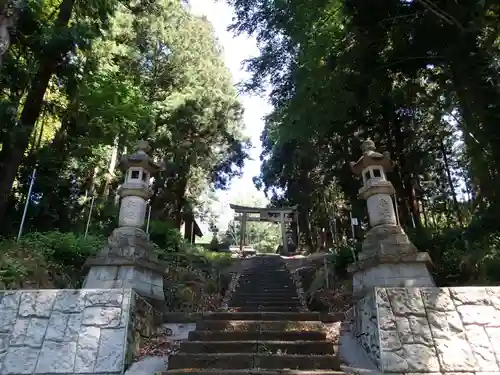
(362, 319)
(142, 322)
(88, 331)
(439, 330)
(297, 281)
(233, 284)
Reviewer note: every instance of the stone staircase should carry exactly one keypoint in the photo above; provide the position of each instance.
(266, 286)
(266, 335)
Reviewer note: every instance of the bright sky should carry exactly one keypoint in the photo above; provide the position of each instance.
(236, 50)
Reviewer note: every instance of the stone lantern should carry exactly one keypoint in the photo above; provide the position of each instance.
(376, 190)
(388, 258)
(135, 191)
(128, 259)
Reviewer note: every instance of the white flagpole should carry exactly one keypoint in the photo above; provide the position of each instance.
(90, 215)
(353, 235)
(352, 226)
(26, 205)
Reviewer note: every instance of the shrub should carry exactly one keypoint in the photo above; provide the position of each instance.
(341, 256)
(46, 259)
(167, 238)
(68, 250)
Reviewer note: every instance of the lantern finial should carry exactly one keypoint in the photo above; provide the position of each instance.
(368, 145)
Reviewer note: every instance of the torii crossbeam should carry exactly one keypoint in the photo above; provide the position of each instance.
(280, 215)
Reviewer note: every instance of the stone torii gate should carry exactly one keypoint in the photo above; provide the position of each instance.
(283, 215)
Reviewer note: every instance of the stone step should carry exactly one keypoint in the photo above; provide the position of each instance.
(211, 360)
(264, 308)
(219, 346)
(261, 347)
(255, 302)
(269, 305)
(273, 316)
(260, 284)
(248, 292)
(295, 347)
(266, 277)
(269, 299)
(250, 372)
(259, 301)
(266, 271)
(250, 361)
(291, 326)
(256, 335)
(290, 293)
(258, 287)
(297, 361)
(261, 298)
(244, 307)
(258, 281)
(257, 325)
(280, 305)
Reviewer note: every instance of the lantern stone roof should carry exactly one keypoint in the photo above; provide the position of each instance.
(140, 158)
(371, 157)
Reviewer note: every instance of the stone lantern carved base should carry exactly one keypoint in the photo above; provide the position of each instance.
(127, 261)
(389, 259)
(387, 240)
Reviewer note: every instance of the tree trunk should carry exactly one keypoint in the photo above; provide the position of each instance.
(414, 208)
(471, 69)
(395, 145)
(450, 183)
(424, 212)
(14, 152)
(305, 228)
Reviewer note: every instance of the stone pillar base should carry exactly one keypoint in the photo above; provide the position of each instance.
(386, 240)
(127, 261)
(389, 259)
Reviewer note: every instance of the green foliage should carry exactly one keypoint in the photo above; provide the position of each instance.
(167, 238)
(194, 281)
(421, 81)
(340, 258)
(67, 249)
(46, 259)
(110, 74)
(14, 266)
(195, 278)
(459, 257)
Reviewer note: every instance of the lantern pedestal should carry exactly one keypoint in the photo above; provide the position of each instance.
(127, 261)
(389, 259)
